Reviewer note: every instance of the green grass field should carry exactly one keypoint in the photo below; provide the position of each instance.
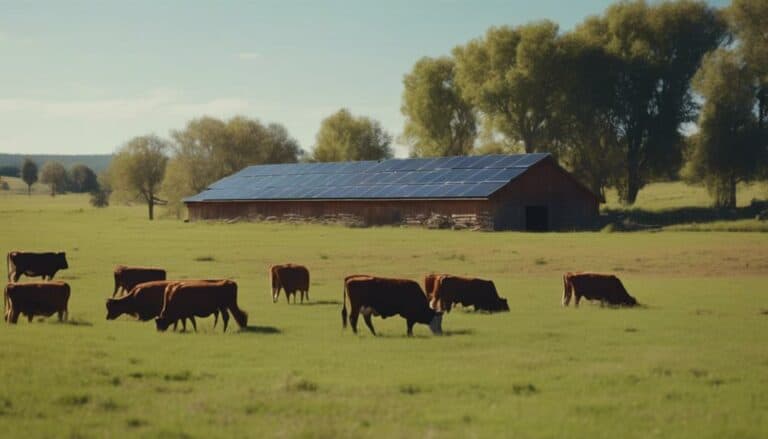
(692, 363)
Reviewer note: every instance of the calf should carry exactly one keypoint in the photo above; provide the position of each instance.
(128, 277)
(36, 299)
(606, 288)
(291, 278)
(386, 297)
(35, 264)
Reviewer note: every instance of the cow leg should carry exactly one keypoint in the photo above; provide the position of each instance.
(13, 317)
(174, 325)
(16, 276)
(225, 318)
(275, 294)
(61, 316)
(30, 317)
(215, 318)
(576, 300)
(194, 323)
(367, 317)
(353, 315)
(410, 324)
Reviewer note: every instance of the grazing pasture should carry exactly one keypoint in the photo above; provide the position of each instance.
(691, 363)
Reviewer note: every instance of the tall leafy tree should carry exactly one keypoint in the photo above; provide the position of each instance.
(138, 168)
(749, 21)
(659, 48)
(29, 174)
(511, 75)
(439, 122)
(727, 149)
(344, 137)
(82, 179)
(209, 149)
(54, 175)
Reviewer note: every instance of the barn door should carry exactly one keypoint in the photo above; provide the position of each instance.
(536, 218)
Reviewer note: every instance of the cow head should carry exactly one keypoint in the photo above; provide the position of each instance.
(503, 305)
(436, 324)
(162, 323)
(62, 260)
(112, 312)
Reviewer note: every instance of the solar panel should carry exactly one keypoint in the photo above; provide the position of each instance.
(441, 177)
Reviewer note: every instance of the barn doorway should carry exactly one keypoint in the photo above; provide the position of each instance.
(536, 218)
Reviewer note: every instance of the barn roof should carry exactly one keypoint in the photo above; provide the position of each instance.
(442, 177)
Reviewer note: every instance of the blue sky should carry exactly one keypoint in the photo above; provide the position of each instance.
(84, 77)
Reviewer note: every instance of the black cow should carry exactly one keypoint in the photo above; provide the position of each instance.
(35, 264)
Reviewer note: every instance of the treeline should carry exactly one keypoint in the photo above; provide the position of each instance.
(613, 99)
(79, 178)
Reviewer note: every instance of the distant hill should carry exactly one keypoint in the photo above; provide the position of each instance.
(97, 162)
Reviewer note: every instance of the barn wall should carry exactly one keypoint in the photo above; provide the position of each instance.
(569, 205)
(376, 212)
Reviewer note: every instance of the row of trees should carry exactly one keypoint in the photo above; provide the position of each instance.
(612, 98)
(79, 178)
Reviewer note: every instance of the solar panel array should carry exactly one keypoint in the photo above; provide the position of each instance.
(443, 177)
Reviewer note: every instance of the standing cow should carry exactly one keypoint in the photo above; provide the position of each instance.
(606, 288)
(447, 290)
(145, 302)
(128, 277)
(378, 296)
(291, 278)
(35, 264)
(36, 299)
(200, 299)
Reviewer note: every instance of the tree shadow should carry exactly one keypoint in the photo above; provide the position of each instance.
(639, 219)
(453, 332)
(253, 329)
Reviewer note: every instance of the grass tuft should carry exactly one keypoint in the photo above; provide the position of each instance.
(207, 258)
(74, 400)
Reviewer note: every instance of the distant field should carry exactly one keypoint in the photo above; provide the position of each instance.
(692, 363)
(658, 196)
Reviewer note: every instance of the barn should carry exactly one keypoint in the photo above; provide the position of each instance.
(492, 192)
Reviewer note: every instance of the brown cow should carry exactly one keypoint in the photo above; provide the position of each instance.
(479, 293)
(200, 299)
(606, 288)
(36, 299)
(128, 277)
(386, 297)
(291, 278)
(145, 301)
(35, 264)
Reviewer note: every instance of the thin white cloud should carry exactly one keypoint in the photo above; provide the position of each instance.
(159, 103)
(248, 56)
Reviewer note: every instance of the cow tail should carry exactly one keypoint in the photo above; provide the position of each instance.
(344, 306)
(241, 317)
(567, 290)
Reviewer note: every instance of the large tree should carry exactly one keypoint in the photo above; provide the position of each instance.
(138, 168)
(726, 150)
(209, 149)
(749, 21)
(344, 137)
(658, 48)
(29, 174)
(54, 175)
(438, 121)
(512, 76)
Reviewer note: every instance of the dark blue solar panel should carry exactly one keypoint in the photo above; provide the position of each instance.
(442, 177)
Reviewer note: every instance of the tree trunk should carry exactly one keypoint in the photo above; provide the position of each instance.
(151, 205)
(628, 193)
(29, 190)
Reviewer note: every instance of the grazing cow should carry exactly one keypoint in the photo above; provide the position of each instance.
(447, 290)
(36, 299)
(200, 299)
(128, 277)
(35, 264)
(291, 278)
(145, 301)
(606, 288)
(385, 297)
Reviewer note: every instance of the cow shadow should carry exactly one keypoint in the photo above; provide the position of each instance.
(253, 329)
(454, 332)
(449, 333)
(321, 303)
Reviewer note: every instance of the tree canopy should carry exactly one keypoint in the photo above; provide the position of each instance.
(29, 174)
(344, 137)
(138, 168)
(55, 176)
